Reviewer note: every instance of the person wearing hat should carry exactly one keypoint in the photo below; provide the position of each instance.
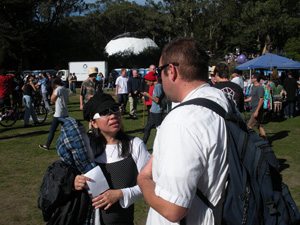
(89, 87)
(212, 76)
(155, 116)
(121, 158)
(236, 78)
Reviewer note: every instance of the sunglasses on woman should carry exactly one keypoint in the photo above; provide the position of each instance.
(107, 112)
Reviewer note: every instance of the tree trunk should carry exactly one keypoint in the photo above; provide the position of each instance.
(267, 47)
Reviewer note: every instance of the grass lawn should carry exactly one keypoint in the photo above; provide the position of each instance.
(23, 163)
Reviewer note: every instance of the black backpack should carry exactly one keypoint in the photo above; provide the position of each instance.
(255, 194)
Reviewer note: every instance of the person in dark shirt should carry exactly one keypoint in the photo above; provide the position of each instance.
(28, 89)
(17, 93)
(134, 89)
(232, 90)
(290, 86)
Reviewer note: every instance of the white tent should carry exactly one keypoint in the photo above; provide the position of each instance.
(127, 43)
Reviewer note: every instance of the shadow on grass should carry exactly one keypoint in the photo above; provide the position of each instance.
(14, 127)
(34, 133)
(279, 135)
(283, 165)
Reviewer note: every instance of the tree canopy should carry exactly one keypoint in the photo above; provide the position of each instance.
(44, 34)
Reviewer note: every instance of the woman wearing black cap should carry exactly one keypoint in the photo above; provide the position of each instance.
(120, 157)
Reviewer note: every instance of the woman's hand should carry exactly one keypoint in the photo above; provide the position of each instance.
(80, 182)
(107, 199)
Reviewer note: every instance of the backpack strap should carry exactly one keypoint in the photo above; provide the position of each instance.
(215, 107)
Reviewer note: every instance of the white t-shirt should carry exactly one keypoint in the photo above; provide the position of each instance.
(61, 109)
(239, 81)
(122, 83)
(140, 156)
(190, 152)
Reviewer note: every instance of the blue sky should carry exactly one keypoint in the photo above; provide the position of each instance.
(140, 2)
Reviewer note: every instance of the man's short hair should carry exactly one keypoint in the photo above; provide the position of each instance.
(56, 81)
(238, 72)
(257, 76)
(222, 70)
(191, 57)
(123, 70)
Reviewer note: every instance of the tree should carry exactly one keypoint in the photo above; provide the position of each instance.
(28, 30)
(270, 23)
(292, 48)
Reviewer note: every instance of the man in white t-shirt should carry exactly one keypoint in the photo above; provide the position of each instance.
(122, 90)
(190, 146)
(60, 96)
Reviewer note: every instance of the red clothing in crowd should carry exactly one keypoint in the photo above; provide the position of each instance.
(149, 102)
(6, 85)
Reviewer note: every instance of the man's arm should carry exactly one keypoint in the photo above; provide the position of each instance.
(248, 99)
(117, 87)
(81, 102)
(155, 99)
(53, 96)
(167, 209)
(260, 104)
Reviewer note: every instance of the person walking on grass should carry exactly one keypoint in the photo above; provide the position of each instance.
(257, 100)
(60, 96)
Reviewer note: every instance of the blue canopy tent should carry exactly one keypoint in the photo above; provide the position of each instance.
(268, 61)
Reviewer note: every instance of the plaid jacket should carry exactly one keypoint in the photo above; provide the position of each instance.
(71, 148)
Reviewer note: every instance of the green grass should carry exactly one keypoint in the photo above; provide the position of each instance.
(23, 163)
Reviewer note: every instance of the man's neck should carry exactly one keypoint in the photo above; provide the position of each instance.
(188, 87)
(222, 80)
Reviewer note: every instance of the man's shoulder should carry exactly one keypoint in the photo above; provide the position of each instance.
(158, 85)
(85, 81)
(232, 85)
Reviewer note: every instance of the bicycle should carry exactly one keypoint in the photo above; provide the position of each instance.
(39, 108)
(9, 115)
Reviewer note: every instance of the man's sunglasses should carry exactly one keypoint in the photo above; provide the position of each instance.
(107, 112)
(159, 69)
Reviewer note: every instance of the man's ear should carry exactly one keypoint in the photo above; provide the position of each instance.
(173, 72)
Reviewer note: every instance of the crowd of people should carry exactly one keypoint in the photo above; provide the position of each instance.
(29, 89)
(190, 147)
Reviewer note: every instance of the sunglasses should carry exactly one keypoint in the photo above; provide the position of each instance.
(159, 69)
(107, 112)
